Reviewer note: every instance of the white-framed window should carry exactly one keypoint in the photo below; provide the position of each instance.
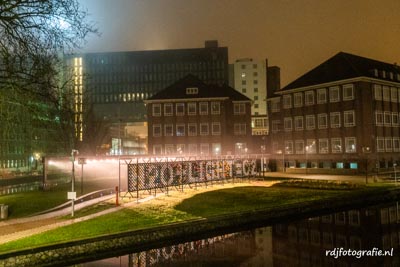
(321, 96)
(323, 145)
(239, 108)
(334, 94)
(216, 128)
(298, 123)
(288, 124)
(216, 148)
(299, 146)
(192, 91)
(215, 108)
(388, 144)
(156, 110)
(157, 150)
(275, 105)
(169, 149)
(180, 129)
(348, 92)
(192, 108)
(395, 119)
(349, 118)
(396, 144)
(239, 128)
(180, 148)
(275, 125)
(287, 101)
(193, 149)
(180, 109)
(156, 130)
(322, 121)
(168, 130)
(288, 147)
(311, 147)
(386, 93)
(350, 144)
(309, 98)
(380, 144)
(378, 92)
(379, 118)
(192, 129)
(204, 149)
(168, 109)
(298, 99)
(387, 118)
(203, 128)
(310, 122)
(335, 119)
(393, 94)
(203, 108)
(336, 145)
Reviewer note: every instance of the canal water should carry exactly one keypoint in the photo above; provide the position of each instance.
(349, 238)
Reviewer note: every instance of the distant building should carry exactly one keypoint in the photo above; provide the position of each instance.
(113, 85)
(191, 117)
(251, 77)
(341, 115)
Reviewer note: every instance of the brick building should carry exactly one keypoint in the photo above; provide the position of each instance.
(191, 117)
(343, 114)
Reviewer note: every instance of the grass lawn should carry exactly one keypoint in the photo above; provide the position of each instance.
(176, 207)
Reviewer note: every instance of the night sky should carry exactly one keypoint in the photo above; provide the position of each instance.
(295, 35)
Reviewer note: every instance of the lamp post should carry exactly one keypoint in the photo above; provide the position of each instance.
(72, 194)
(307, 147)
(82, 161)
(366, 150)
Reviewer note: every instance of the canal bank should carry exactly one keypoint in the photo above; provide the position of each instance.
(117, 244)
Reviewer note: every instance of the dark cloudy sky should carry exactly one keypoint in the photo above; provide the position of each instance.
(295, 35)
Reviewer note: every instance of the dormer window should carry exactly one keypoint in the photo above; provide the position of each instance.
(192, 91)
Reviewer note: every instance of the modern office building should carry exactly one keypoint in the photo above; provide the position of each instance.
(191, 117)
(341, 115)
(114, 85)
(251, 78)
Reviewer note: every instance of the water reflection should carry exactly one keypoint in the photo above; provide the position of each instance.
(297, 243)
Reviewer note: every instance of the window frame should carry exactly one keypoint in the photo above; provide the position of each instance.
(346, 118)
(332, 117)
(178, 106)
(309, 98)
(204, 133)
(320, 92)
(347, 145)
(153, 107)
(347, 87)
(192, 105)
(184, 129)
(334, 94)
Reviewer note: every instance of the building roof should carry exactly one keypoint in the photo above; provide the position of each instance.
(346, 66)
(178, 90)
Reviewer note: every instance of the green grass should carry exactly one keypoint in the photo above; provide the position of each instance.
(169, 210)
(28, 203)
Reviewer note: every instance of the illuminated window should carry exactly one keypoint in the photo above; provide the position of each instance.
(336, 145)
(350, 144)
